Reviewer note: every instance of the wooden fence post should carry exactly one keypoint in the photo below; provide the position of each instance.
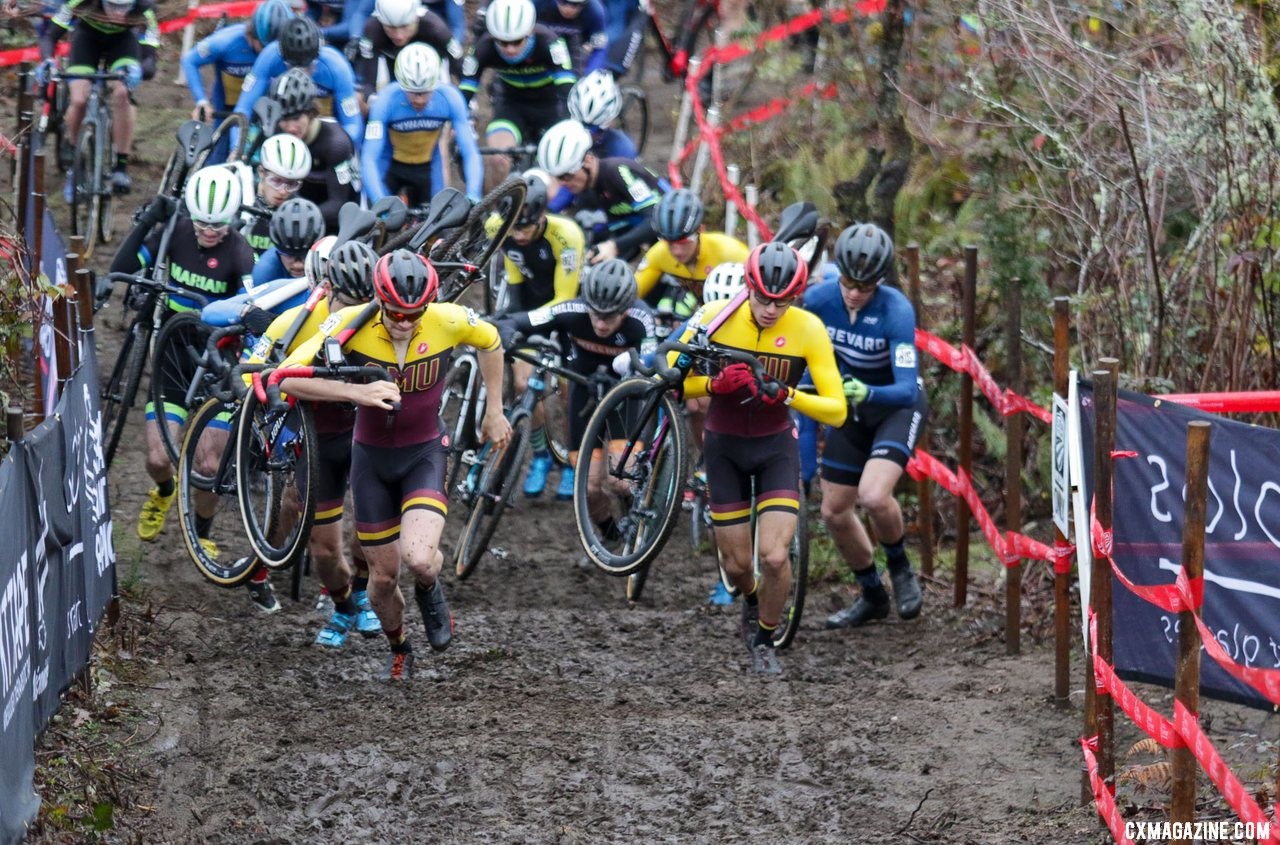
(37, 252)
(1061, 574)
(1104, 439)
(968, 306)
(1187, 680)
(924, 487)
(1013, 470)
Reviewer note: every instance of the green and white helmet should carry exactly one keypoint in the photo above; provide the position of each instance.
(564, 147)
(213, 195)
(510, 20)
(286, 156)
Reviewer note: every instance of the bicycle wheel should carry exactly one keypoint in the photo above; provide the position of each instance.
(495, 483)
(475, 242)
(276, 468)
(496, 294)
(636, 581)
(126, 377)
(789, 622)
(84, 208)
(637, 435)
(634, 119)
(106, 228)
(555, 404)
(175, 365)
(458, 408)
(230, 561)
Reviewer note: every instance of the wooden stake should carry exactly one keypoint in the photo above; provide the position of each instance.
(968, 306)
(1104, 396)
(924, 487)
(1013, 471)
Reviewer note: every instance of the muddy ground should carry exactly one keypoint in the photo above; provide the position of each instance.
(561, 714)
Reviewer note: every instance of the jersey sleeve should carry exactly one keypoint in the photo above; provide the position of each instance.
(477, 332)
(376, 155)
(900, 332)
(569, 242)
(255, 84)
(695, 386)
(346, 107)
(828, 405)
(206, 51)
(465, 141)
(304, 354)
(650, 270)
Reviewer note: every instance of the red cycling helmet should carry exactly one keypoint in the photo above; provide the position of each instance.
(776, 271)
(405, 280)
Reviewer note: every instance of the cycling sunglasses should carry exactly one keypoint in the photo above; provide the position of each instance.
(860, 287)
(780, 303)
(280, 183)
(211, 228)
(402, 316)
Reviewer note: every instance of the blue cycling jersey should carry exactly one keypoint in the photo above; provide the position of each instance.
(877, 346)
(452, 11)
(582, 33)
(232, 58)
(337, 33)
(227, 312)
(269, 268)
(334, 81)
(399, 132)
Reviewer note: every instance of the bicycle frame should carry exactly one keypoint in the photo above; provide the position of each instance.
(677, 50)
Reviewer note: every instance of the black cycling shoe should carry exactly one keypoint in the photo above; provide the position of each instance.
(857, 614)
(435, 615)
(907, 597)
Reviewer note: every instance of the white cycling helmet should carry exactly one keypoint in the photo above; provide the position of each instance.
(418, 68)
(286, 156)
(724, 281)
(397, 12)
(213, 195)
(510, 20)
(595, 99)
(316, 264)
(564, 147)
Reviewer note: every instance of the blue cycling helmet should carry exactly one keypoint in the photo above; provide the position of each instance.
(268, 18)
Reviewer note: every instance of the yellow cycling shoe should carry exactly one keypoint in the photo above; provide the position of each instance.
(154, 511)
(210, 548)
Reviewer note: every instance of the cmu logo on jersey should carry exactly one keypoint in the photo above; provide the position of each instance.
(419, 376)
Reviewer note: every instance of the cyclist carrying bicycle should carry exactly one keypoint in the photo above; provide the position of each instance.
(334, 177)
(348, 273)
(232, 51)
(872, 326)
(750, 436)
(534, 74)
(106, 36)
(295, 226)
(596, 102)
(402, 140)
(623, 189)
(298, 46)
(394, 25)
(604, 321)
(398, 459)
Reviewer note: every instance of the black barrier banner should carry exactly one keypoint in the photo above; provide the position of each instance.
(86, 494)
(18, 802)
(1242, 540)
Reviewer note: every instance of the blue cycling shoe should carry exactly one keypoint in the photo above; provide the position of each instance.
(366, 620)
(720, 597)
(536, 481)
(564, 493)
(335, 631)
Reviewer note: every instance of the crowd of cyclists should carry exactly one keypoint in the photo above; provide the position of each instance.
(369, 100)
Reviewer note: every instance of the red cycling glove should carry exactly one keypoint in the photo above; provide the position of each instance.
(778, 398)
(733, 378)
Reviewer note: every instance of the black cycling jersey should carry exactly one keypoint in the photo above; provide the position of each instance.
(545, 73)
(625, 190)
(214, 273)
(335, 176)
(256, 230)
(376, 47)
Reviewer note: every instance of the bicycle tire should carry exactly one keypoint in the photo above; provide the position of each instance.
(497, 294)
(84, 223)
(647, 510)
(458, 413)
(275, 487)
(555, 408)
(793, 611)
(636, 581)
(106, 227)
(471, 243)
(175, 359)
(495, 486)
(634, 119)
(190, 482)
(126, 378)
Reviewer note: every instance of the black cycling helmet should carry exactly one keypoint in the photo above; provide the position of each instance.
(351, 270)
(296, 225)
(535, 200)
(295, 91)
(609, 287)
(299, 41)
(268, 18)
(775, 271)
(678, 215)
(404, 279)
(864, 253)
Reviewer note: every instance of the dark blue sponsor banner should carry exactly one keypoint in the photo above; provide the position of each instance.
(1242, 540)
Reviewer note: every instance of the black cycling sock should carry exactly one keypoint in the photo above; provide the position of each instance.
(896, 554)
(360, 583)
(122, 162)
(872, 590)
(343, 603)
(203, 525)
(397, 639)
(764, 634)
(166, 488)
(752, 596)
